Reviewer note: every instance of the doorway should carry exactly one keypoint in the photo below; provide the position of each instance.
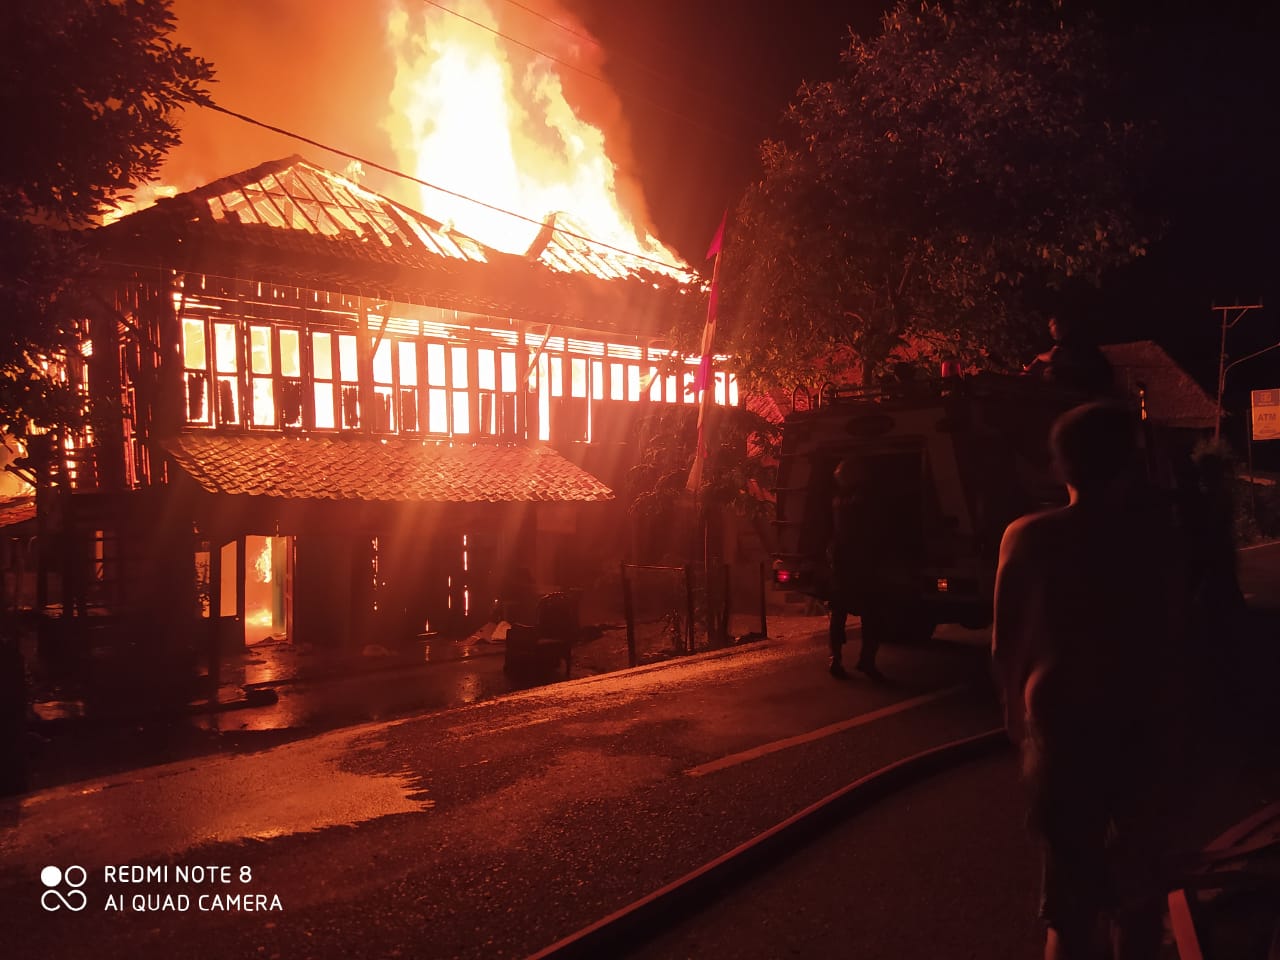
(268, 578)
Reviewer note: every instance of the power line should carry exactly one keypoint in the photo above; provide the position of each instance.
(555, 23)
(652, 71)
(728, 135)
(209, 104)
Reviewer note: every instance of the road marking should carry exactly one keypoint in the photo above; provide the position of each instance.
(733, 759)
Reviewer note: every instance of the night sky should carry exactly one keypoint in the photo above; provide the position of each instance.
(701, 83)
(1201, 72)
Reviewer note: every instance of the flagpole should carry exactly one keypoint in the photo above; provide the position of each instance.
(706, 381)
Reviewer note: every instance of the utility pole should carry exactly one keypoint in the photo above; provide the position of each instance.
(1227, 323)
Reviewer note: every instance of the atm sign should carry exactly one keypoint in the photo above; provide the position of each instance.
(1266, 414)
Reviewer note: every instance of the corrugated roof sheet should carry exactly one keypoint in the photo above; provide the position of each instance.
(394, 470)
(560, 246)
(297, 196)
(1172, 396)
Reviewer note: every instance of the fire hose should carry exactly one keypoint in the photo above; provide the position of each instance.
(643, 918)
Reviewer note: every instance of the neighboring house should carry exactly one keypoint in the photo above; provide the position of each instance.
(1154, 383)
(340, 421)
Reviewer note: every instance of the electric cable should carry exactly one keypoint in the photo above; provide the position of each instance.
(637, 61)
(218, 108)
(718, 131)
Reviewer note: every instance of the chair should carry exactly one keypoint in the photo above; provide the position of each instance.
(536, 649)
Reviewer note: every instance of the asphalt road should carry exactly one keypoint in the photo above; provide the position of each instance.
(495, 829)
(486, 831)
(964, 885)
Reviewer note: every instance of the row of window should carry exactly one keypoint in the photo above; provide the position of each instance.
(274, 377)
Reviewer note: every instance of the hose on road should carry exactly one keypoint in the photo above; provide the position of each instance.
(643, 919)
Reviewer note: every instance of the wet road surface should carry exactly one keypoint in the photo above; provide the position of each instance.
(489, 830)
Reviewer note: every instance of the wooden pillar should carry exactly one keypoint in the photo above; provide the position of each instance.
(241, 569)
(214, 637)
(364, 364)
(522, 387)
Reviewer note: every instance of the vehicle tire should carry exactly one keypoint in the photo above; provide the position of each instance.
(897, 625)
(915, 626)
(975, 620)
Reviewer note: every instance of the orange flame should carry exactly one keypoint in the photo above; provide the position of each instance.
(142, 196)
(465, 116)
(262, 564)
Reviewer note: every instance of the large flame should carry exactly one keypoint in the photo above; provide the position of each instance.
(140, 198)
(467, 116)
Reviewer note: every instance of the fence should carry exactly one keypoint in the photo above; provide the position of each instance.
(674, 610)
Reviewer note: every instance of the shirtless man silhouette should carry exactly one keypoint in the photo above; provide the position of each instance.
(1088, 621)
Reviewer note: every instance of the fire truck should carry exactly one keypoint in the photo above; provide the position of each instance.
(950, 462)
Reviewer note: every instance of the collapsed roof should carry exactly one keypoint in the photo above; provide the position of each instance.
(289, 221)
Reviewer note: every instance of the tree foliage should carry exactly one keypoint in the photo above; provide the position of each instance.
(958, 170)
(89, 91)
(655, 487)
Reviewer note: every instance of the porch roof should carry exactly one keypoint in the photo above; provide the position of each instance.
(391, 470)
(17, 510)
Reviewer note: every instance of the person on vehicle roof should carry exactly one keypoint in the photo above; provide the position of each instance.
(1074, 362)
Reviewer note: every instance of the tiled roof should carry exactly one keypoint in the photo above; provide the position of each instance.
(17, 511)
(1173, 397)
(396, 469)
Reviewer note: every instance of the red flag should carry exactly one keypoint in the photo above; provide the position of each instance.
(703, 380)
(718, 240)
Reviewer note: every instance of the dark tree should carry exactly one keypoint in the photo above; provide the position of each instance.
(89, 91)
(959, 169)
(741, 449)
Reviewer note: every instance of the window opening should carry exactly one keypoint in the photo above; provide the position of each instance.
(290, 377)
(384, 388)
(408, 353)
(226, 355)
(260, 378)
(461, 396)
(195, 360)
(349, 381)
(322, 380)
(437, 389)
(487, 391)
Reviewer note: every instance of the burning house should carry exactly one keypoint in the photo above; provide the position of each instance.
(334, 419)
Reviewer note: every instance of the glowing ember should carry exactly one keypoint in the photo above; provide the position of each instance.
(467, 117)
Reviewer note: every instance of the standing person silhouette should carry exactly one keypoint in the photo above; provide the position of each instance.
(854, 522)
(1087, 648)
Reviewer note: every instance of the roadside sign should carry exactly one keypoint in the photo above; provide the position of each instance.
(1266, 414)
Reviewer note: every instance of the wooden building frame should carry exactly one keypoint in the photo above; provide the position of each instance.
(296, 365)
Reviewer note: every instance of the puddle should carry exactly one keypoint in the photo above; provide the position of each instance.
(294, 788)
